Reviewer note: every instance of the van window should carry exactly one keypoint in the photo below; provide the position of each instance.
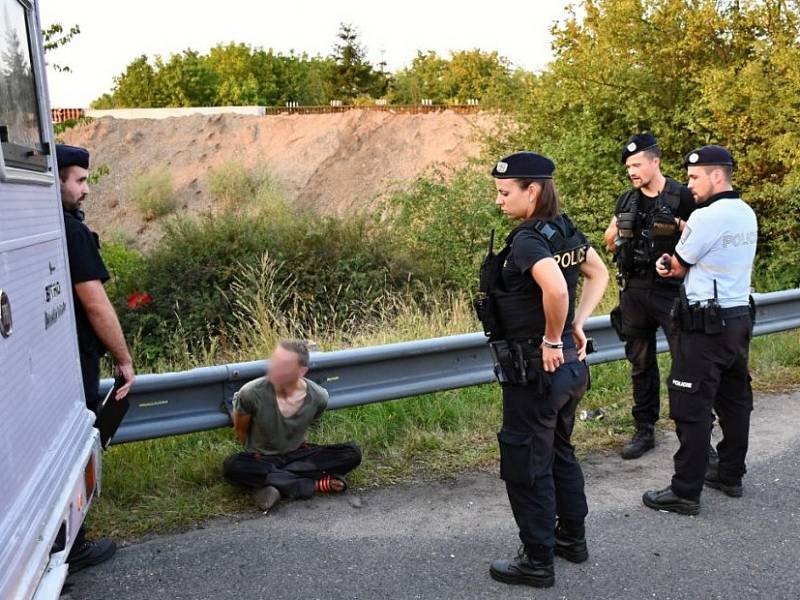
(20, 124)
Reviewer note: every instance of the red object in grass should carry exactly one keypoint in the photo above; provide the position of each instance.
(138, 299)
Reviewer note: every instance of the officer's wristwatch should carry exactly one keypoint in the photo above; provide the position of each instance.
(553, 345)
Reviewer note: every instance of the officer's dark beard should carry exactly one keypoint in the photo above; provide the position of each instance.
(77, 211)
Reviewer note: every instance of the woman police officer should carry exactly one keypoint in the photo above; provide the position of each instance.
(527, 307)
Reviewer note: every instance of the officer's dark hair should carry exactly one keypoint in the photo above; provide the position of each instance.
(299, 347)
(726, 170)
(63, 173)
(547, 206)
(653, 152)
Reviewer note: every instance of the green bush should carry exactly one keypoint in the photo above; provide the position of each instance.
(124, 266)
(234, 186)
(153, 193)
(338, 270)
(444, 223)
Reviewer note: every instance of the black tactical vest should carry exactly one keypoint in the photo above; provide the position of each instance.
(516, 315)
(655, 232)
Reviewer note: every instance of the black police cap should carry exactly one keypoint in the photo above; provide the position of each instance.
(524, 165)
(638, 143)
(69, 156)
(709, 156)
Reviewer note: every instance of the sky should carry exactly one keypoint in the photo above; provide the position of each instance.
(114, 33)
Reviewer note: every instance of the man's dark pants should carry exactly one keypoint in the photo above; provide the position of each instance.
(295, 473)
(646, 307)
(90, 372)
(711, 371)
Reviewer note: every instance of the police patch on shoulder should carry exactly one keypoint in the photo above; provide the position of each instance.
(502, 167)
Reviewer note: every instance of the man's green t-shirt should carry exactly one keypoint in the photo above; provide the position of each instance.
(271, 432)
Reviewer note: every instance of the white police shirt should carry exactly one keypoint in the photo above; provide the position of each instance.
(719, 243)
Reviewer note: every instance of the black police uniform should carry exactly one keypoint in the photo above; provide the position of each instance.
(645, 298)
(85, 264)
(537, 460)
(713, 321)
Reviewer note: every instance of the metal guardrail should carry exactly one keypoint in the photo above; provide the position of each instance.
(197, 400)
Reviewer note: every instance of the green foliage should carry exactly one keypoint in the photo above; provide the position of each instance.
(485, 76)
(444, 221)
(54, 37)
(338, 269)
(233, 186)
(353, 75)
(59, 128)
(124, 266)
(97, 173)
(153, 193)
(239, 74)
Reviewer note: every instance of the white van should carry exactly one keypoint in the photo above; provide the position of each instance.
(49, 451)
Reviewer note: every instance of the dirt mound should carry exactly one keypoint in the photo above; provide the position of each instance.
(333, 163)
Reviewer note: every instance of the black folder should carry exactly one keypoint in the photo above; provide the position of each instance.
(110, 413)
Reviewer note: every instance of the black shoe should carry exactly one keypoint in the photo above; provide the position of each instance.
(643, 440)
(524, 570)
(571, 541)
(667, 500)
(91, 553)
(734, 490)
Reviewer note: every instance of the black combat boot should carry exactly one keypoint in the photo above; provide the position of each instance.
(733, 489)
(669, 501)
(643, 440)
(90, 553)
(571, 541)
(534, 568)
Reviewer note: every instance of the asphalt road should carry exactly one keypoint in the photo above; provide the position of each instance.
(437, 540)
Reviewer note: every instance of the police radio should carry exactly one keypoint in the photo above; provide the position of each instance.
(712, 317)
(482, 303)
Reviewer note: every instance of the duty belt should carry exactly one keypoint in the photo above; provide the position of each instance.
(520, 363)
(734, 311)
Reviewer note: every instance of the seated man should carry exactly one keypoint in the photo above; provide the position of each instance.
(271, 416)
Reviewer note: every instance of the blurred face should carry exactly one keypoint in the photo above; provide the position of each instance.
(704, 182)
(642, 167)
(74, 187)
(515, 202)
(284, 367)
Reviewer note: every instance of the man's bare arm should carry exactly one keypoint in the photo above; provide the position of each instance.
(104, 322)
(610, 235)
(241, 425)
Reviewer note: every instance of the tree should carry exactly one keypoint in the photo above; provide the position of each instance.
(137, 87)
(484, 76)
(187, 80)
(353, 75)
(423, 79)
